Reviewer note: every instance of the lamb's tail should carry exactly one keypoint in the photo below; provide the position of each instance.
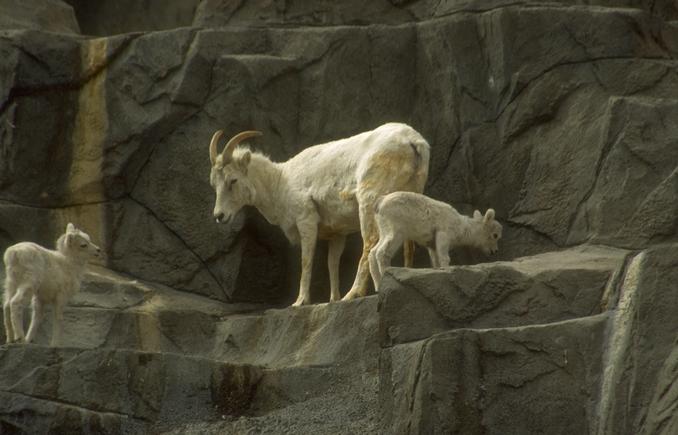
(9, 259)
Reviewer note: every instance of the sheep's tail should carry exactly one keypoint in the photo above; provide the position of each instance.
(377, 203)
(9, 259)
(422, 154)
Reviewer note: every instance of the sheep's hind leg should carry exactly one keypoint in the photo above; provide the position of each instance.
(370, 236)
(36, 317)
(17, 312)
(408, 253)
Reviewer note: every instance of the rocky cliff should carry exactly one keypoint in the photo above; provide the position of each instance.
(560, 115)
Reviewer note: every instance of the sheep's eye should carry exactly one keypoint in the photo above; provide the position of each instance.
(231, 183)
(83, 245)
(495, 235)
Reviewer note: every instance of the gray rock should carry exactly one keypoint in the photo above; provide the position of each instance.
(638, 386)
(45, 15)
(417, 303)
(557, 115)
(529, 379)
(106, 17)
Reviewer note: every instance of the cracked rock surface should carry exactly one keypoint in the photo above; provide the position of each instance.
(559, 115)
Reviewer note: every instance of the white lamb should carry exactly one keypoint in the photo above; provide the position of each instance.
(46, 277)
(430, 223)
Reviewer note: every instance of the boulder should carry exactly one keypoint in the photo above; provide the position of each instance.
(45, 15)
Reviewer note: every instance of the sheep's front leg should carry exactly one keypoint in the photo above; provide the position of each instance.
(308, 232)
(434, 258)
(335, 248)
(58, 323)
(443, 249)
(17, 312)
(7, 316)
(36, 317)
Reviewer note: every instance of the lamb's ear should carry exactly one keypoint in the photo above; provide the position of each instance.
(244, 160)
(70, 228)
(489, 215)
(477, 215)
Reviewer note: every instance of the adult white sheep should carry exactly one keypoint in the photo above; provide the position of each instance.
(45, 277)
(430, 223)
(326, 191)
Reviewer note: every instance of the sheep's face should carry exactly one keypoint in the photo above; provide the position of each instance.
(232, 186)
(79, 243)
(490, 232)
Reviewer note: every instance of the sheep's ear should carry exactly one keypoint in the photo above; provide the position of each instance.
(489, 215)
(477, 215)
(244, 160)
(70, 228)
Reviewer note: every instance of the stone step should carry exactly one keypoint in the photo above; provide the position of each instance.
(545, 288)
(117, 390)
(114, 312)
(528, 379)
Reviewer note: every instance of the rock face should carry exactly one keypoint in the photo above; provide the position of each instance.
(43, 15)
(559, 116)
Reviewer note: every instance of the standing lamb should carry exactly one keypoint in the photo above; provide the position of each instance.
(326, 191)
(46, 277)
(430, 223)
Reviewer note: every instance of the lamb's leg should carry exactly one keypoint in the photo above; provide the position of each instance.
(370, 236)
(374, 267)
(335, 248)
(308, 232)
(385, 254)
(36, 317)
(6, 310)
(57, 323)
(443, 249)
(17, 309)
(380, 258)
(7, 315)
(434, 258)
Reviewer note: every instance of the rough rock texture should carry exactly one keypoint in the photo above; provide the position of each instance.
(558, 115)
(139, 358)
(417, 303)
(46, 15)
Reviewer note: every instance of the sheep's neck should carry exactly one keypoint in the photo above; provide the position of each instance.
(268, 181)
(77, 264)
(465, 231)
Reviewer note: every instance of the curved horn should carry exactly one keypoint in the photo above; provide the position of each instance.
(213, 145)
(235, 140)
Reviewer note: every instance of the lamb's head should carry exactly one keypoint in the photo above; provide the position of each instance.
(229, 176)
(488, 231)
(77, 243)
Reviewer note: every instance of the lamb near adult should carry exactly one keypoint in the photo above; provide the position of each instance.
(430, 223)
(44, 276)
(326, 191)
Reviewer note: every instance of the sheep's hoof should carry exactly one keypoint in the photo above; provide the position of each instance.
(300, 302)
(353, 294)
